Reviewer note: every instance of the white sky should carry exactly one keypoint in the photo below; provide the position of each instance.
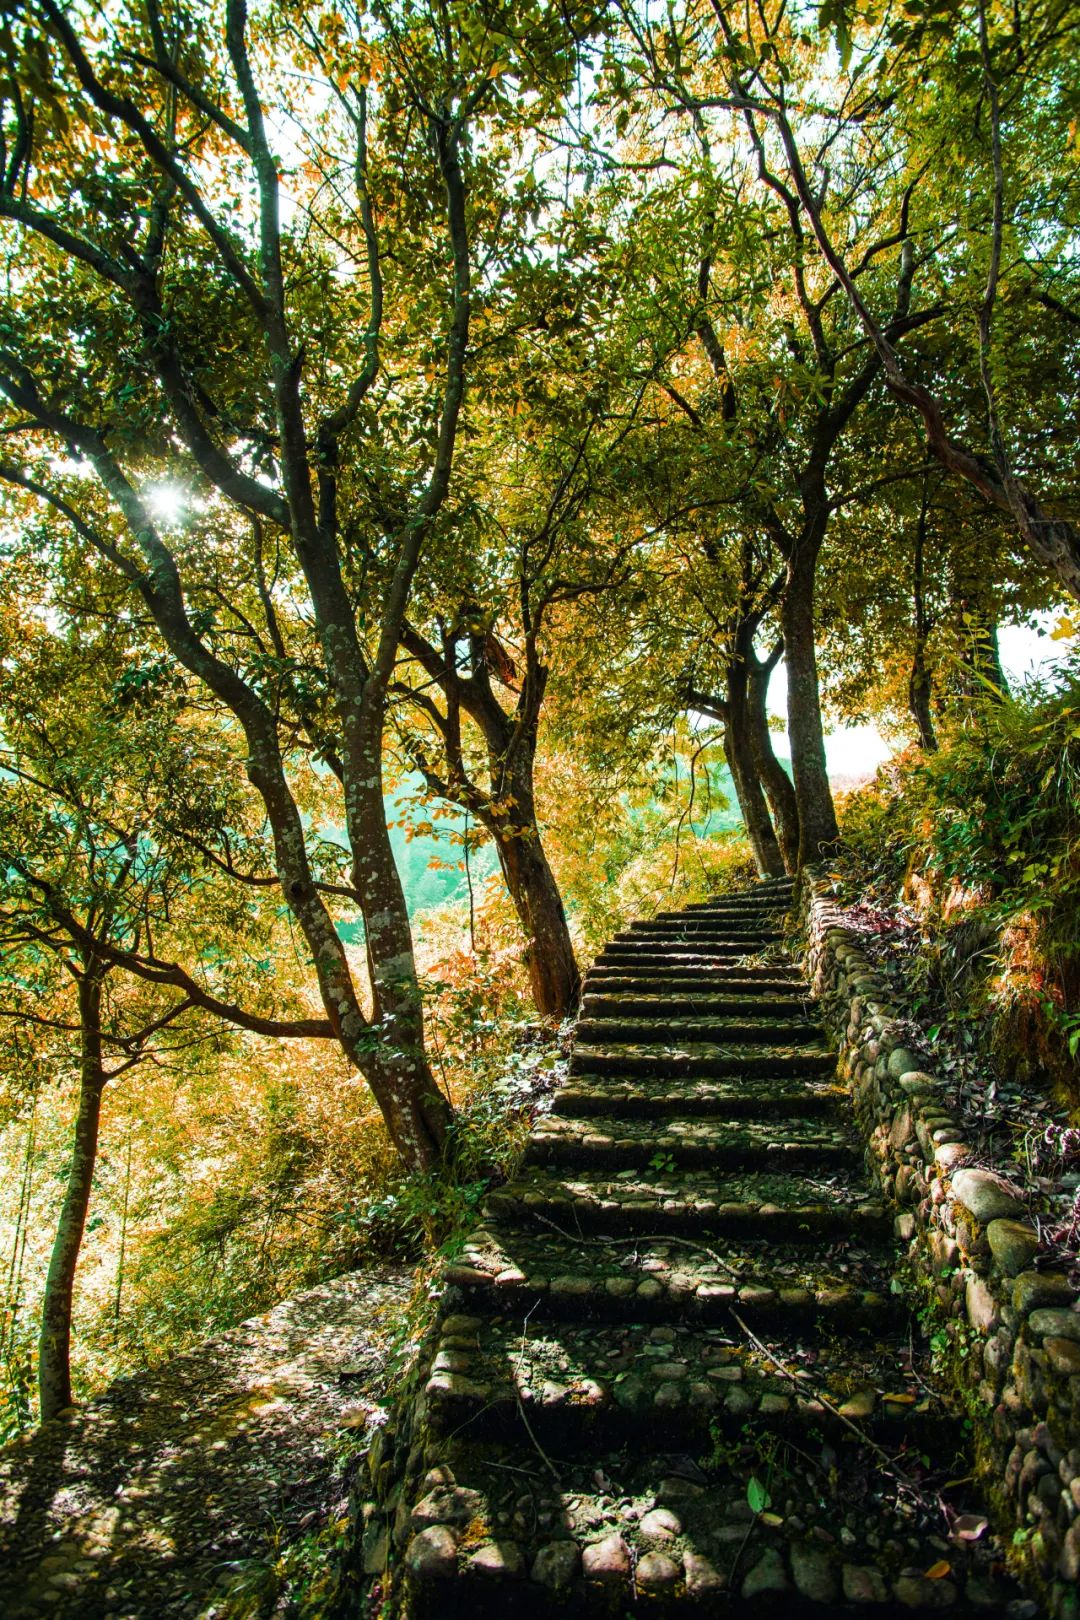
(859, 750)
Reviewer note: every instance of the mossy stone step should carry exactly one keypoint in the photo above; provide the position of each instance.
(722, 947)
(688, 1004)
(702, 1059)
(744, 1096)
(797, 1206)
(644, 962)
(772, 900)
(748, 981)
(708, 922)
(677, 951)
(583, 1385)
(639, 1028)
(526, 1270)
(701, 928)
(781, 1142)
(502, 1530)
(771, 917)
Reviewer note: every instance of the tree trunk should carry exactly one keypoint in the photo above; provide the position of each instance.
(554, 976)
(774, 779)
(391, 1053)
(920, 686)
(818, 832)
(739, 753)
(920, 692)
(54, 1344)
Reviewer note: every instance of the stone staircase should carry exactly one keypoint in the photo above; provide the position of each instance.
(675, 1372)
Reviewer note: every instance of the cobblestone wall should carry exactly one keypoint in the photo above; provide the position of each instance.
(1011, 1329)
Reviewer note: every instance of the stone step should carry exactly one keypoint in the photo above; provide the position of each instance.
(674, 953)
(792, 1205)
(502, 1529)
(732, 906)
(638, 1029)
(688, 1004)
(703, 1059)
(524, 1270)
(714, 920)
(586, 1385)
(786, 1142)
(722, 947)
(766, 894)
(701, 928)
(755, 1096)
(709, 922)
(644, 964)
(743, 981)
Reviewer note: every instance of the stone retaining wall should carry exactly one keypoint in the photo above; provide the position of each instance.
(1010, 1332)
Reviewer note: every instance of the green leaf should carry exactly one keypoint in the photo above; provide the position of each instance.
(757, 1496)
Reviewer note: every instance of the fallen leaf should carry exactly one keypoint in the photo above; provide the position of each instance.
(938, 1571)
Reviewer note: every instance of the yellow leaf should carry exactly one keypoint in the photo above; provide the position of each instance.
(938, 1571)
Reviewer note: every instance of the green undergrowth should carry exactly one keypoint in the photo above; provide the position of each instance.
(970, 859)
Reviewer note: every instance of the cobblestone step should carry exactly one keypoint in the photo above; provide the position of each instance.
(706, 1060)
(639, 1029)
(758, 1203)
(704, 927)
(647, 1529)
(687, 1004)
(768, 897)
(786, 1142)
(759, 982)
(734, 1097)
(677, 951)
(541, 1273)
(766, 911)
(583, 1385)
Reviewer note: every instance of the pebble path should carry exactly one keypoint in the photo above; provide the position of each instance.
(155, 1498)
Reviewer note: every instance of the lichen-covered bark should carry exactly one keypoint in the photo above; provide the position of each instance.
(779, 790)
(818, 832)
(54, 1343)
(554, 976)
(738, 751)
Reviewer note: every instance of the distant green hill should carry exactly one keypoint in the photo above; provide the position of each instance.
(430, 863)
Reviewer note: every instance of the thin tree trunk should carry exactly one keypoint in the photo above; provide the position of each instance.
(920, 691)
(739, 753)
(554, 977)
(779, 789)
(818, 832)
(54, 1344)
(920, 686)
(507, 808)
